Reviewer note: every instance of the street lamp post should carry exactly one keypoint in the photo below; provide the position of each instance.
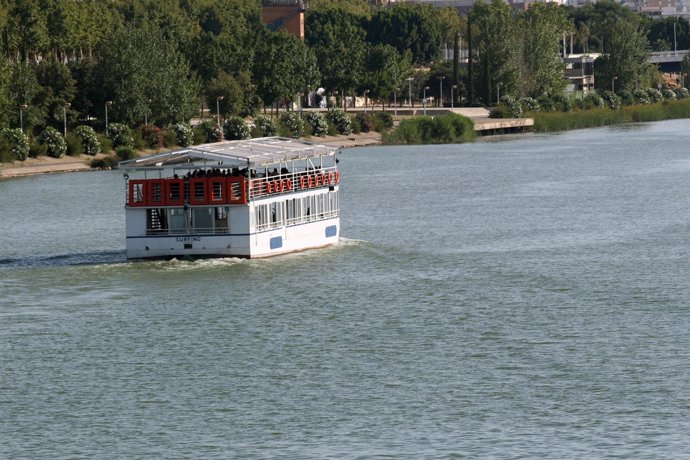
(299, 97)
(107, 104)
(613, 84)
(366, 91)
(440, 90)
(218, 99)
(395, 102)
(22, 107)
(409, 89)
(64, 117)
(424, 98)
(498, 94)
(682, 79)
(452, 100)
(335, 103)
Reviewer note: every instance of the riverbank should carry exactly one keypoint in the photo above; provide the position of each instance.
(47, 165)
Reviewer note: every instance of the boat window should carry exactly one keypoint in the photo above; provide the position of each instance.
(222, 223)
(203, 220)
(156, 220)
(177, 220)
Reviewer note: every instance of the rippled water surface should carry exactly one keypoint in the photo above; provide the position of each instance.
(521, 298)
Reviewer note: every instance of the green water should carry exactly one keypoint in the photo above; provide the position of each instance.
(520, 298)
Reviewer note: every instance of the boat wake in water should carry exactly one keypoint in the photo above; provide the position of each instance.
(65, 260)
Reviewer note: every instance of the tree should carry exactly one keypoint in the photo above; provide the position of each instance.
(337, 38)
(668, 34)
(408, 26)
(146, 76)
(238, 94)
(385, 70)
(627, 59)
(57, 89)
(24, 88)
(27, 32)
(495, 52)
(542, 67)
(278, 67)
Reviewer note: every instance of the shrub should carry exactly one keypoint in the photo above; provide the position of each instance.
(125, 152)
(106, 143)
(668, 94)
(317, 124)
(365, 122)
(612, 100)
(120, 134)
(593, 101)
(55, 144)
(448, 128)
(681, 93)
(264, 127)
(152, 136)
(515, 109)
(529, 104)
(382, 121)
(546, 103)
(184, 135)
(500, 111)
(74, 146)
(627, 97)
(562, 103)
(6, 155)
(340, 121)
(108, 162)
(291, 125)
(235, 127)
(17, 143)
(89, 140)
(36, 149)
(207, 132)
(170, 138)
(655, 95)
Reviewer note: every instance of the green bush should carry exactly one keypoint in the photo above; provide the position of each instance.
(593, 101)
(655, 95)
(36, 149)
(120, 134)
(16, 143)
(612, 100)
(184, 135)
(340, 121)
(105, 143)
(235, 128)
(291, 125)
(6, 155)
(668, 93)
(546, 104)
(74, 146)
(382, 121)
(529, 104)
(681, 93)
(317, 124)
(448, 128)
(366, 124)
(108, 162)
(125, 152)
(627, 97)
(89, 140)
(152, 136)
(55, 144)
(264, 127)
(170, 137)
(207, 132)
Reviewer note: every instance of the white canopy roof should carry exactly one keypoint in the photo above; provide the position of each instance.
(251, 152)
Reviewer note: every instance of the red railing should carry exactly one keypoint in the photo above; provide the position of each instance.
(224, 190)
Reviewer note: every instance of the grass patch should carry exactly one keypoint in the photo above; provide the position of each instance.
(561, 121)
(445, 129)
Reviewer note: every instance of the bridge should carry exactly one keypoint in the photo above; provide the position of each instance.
(667, 57)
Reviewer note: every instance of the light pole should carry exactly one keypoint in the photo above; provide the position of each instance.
(299, 97)
(395, 102)
(424, 98)
(452, 100)
(146, 112)
(498, 93)
(366, 91)
(64, 117)
(107, 104)
(335, 103)
(218, 99)
(613, 84)
(682, 79)
(22, 107)
(409, 89)
(440, 90)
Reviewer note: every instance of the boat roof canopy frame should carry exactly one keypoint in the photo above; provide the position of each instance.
(250, 153)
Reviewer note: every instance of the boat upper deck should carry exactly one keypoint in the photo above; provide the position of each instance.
(250, 153)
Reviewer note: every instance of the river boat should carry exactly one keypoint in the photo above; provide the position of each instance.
(248, 198)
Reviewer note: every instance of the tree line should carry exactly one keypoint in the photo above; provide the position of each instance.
(159, 61)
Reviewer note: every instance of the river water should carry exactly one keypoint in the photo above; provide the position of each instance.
(524, 297)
